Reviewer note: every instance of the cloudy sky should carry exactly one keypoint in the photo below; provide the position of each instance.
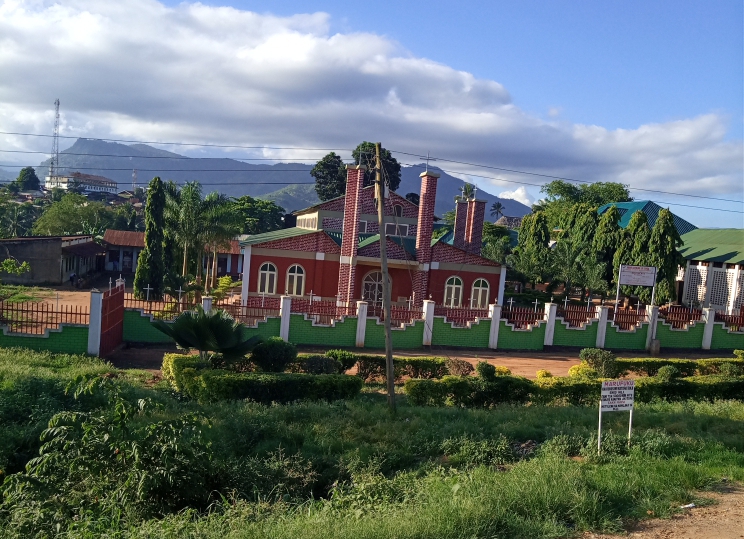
(648, 95)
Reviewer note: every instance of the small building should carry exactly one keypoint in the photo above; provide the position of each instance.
(89, 183)
(650, 208)
(713, 275)
(122, 249)
(52, 258)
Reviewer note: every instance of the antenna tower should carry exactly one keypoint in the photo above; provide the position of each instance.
(54, 167)
(134, 180)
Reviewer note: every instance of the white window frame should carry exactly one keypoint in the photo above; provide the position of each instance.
(265, 276)
(453, 292)
(479, 294)
(378, 300)
(292, 290)
(396, 230)
(398, 210)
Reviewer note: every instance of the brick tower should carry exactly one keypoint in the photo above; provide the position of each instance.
(427, 200)
(474, 227)
(350, 240)
(461, 220)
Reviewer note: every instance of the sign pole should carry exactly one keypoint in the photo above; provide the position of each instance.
(653, 290)
(599, 430)
(630, 426)
(617, 295)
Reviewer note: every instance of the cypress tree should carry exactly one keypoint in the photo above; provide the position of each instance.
(150, 265)
(663, 249)
(607, 240)
(633, 249)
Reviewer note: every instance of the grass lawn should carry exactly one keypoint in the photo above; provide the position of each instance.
(22, 294)
(346, 469)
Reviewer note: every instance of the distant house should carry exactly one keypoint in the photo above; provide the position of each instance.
(509, 222)
(89, 183)
(651, 209)
(714, 272)
(52, 258)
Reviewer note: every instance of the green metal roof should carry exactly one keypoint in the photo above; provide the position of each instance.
(714, 245)
(651, 209)
(282, 234)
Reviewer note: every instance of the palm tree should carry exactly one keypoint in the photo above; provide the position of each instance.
(567, 264)
(468, 190)
(221, 224)
(592, 276)
(497, 210)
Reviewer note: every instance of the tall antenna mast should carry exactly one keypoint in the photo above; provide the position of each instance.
(54, 167)
(134, 180)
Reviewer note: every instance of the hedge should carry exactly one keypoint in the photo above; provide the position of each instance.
(686, 367)
(371, 367)
(476, 392)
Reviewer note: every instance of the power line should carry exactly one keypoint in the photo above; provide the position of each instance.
(161, 157)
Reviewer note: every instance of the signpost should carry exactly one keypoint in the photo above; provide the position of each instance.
(617, 396)
(635, 276)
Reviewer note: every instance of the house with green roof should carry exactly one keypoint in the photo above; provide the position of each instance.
(713, 275)
(650, 208)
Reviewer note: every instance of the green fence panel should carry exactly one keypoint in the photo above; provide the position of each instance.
(723, 340)
(585, 337)
(409, 338)
(138, 328)
(65, 340)
(476, 336)
(302, 331)
(626, 340)
(692, 337)
(513, 339)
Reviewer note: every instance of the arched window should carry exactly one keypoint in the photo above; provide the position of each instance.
(453, 292)
(372, 288)
(267, 278)
(295, 280)
(398, 210)
(479, 297)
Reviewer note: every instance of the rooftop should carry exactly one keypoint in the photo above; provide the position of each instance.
(714, 245)
(650, 208)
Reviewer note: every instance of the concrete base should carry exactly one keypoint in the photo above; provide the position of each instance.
(654, 347)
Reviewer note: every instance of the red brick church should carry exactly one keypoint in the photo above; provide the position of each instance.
(334, 252)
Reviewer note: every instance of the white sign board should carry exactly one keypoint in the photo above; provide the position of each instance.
(637, 275)
(617, 395)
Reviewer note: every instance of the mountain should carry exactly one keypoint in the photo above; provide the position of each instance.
(288, 184)
(7, 175)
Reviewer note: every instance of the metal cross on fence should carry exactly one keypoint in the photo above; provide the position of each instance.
(263, 297)
(638, 305)
(588, 302)
(179, 294)
(311, 297)
(511, 304)
(410, 303)
(537, 302)
(110, 284)
(147, 289)
(565, 302)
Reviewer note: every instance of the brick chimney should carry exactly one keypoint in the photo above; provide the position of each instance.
(427, 200)
(350, 240)
(461, 219)
(474, 226)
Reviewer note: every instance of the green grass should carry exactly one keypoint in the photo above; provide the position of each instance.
(22, 294)
(351, 469)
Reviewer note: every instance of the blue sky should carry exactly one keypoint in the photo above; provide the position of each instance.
(645, 93)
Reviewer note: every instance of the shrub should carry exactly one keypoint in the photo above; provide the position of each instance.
(372, 368)
(542, 373)
(470, 392)
(582, 371)
(485, 370)
(424, 367)
(459, 367)
(467, 451)
(320, 365)
(274, 355)
(739, 354)
(346, 358)
(730, 369)
(667, 373)
(602, 361)
(502, 371)
(576, 390)
(174, 366)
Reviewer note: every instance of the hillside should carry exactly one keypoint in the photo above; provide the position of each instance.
(288, 184)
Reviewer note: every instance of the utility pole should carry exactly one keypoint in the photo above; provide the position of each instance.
(54, 165)
(380, 192)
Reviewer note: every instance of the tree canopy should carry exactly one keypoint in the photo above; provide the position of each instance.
(258, 216)
(330, 177)
(74, 214)
(364, 154)
(28, 180)
(664, 244)
(150, 264)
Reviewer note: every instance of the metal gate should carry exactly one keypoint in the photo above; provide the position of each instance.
(112, 320)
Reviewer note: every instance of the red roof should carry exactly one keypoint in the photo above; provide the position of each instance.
(233, 250)
(124, 238)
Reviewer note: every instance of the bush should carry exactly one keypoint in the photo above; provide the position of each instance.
(602, 361)
(217, 385)
(485, 370)
(174, 366)
(372, 368)
(346, 358)
(424, 367)
(576, 390)
(320, 365)
(730, 369)
(667, 373)
(469, 392)
(274, 355)
(739, 354)
(502, 371)
(542, 373)
(582, 371)
(466, 451)
(459, 367)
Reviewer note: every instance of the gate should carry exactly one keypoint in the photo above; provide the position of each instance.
(112, 320)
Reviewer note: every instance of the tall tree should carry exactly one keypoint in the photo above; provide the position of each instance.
(633, 249)
(531, 257)
(364, 154)
(663, 248)
(222, 223)
(330, 177)
(413, 197)
(497, 210)
(258, 216)
(150, 264)
(28, 180)
(74, 214)
(562, 196)
(606, 240)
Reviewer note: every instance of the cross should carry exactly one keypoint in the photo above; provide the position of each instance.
(110, 284)
(511, 304)
(638, 305)
(409, 301)
(263, 297)
(588, 301)
(551, 299)
(148, 288)
(179, 294)
(311, 297)
(475, 191)
(565, 302)
(427, 161)
(536, 304)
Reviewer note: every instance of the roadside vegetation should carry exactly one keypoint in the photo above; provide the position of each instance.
(88, 450)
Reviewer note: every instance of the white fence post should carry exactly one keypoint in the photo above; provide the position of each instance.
(502, 284)
(653, 317)
(604, 315)
(94, 327)
(428, 321)
(207, 304)
(246, 275)
(550, 312)
(493, 334)
(361, 331)
(285, 309)
(710, 318)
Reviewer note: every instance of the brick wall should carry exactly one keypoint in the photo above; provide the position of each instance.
(443, 334)
(585, 338)
(441, 252)
(723, 340)
(302, 331)
(680, 338)
(511, 339)
(474, 228)
(66, 340)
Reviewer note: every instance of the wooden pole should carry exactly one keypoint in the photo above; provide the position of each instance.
(386, 300)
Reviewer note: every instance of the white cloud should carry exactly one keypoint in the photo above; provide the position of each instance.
(140, 70)
(520, 195)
